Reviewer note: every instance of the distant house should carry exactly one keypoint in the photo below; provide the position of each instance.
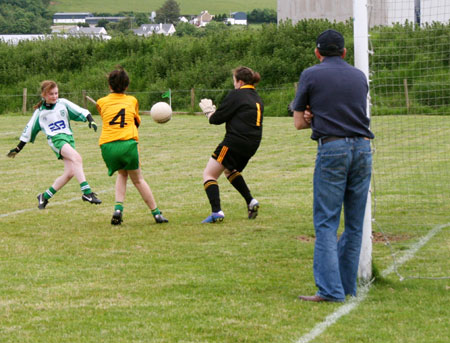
(98, 32)
(203, 19)
(237, 18)
(71, 18)
(149, 29)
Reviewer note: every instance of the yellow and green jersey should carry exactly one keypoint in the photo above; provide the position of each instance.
(120, 114)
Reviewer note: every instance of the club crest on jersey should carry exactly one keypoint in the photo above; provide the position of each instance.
(62, 112)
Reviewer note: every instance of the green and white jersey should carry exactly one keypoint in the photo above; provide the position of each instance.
(54, 120)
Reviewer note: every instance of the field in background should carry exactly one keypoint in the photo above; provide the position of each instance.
(66, 275)
(146, 6)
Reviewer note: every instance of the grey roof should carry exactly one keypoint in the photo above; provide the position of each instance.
(86, 30)
(239, 15)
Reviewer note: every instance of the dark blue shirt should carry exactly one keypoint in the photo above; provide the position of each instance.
(337, 95)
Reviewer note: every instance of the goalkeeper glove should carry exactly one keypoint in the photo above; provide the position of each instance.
(93, 125)
(207, 107)
(13, 152)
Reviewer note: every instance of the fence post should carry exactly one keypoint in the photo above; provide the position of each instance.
(405, 85)
(24, 101)
(84, 98)
(192, 99)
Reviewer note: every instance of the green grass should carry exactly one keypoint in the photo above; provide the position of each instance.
(146, 6)
(67, 275)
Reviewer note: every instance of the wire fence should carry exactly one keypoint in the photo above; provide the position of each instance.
(276, 99)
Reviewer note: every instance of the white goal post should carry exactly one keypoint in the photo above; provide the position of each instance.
(361, 47)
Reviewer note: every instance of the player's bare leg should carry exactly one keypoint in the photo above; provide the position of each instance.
(73, 166)
(73, 163)
(121, 185)
(146, 194)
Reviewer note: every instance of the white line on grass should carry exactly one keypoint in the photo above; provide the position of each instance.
(55, 203)
(7, 133)
(364, 290)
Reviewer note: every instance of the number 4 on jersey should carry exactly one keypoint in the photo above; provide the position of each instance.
(120, 115)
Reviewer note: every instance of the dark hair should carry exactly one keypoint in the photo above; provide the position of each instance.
(245, 74)
(331, 53)
(118, 80)
(46, 86)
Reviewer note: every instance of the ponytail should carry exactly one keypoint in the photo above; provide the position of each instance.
(247, 75)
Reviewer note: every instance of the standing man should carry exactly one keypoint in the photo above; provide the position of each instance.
(336, 94)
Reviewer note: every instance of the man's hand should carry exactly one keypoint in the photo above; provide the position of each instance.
(93, 125)
(307, 115)
(207, 107)
(13, 152)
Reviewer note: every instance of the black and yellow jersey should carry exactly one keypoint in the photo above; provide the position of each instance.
(242, 111)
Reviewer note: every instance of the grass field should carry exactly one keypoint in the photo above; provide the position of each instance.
(147, 6)
(67, 275)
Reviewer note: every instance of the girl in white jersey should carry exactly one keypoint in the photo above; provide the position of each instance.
(52, 116)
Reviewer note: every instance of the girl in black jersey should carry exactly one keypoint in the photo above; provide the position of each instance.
(242, 112)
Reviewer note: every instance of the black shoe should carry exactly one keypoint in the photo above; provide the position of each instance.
(92, 198)
(159, 218)
(117, 217)
(42, 201)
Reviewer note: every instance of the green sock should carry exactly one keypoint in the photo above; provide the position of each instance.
(156, 211)
(49, 193)
(118, 206)
(85, 188)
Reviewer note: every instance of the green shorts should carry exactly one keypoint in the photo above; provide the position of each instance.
(120, 155)
(57, 142)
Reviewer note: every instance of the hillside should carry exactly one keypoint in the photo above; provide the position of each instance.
(146, 6)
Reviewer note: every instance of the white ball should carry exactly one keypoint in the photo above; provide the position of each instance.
(161, 112)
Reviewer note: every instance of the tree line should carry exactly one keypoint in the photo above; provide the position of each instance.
(156, 63)
(25, 16)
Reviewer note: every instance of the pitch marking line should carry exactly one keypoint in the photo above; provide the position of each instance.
(56, 203)
(7, 133)
(364, 290)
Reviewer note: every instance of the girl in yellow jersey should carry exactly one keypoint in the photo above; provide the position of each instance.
(118, 143)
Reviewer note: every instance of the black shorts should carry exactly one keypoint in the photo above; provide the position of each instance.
(230, 159)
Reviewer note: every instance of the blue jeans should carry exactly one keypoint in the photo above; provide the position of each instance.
(341, 177)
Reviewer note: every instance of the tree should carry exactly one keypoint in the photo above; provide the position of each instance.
(141, 18)
(220, 17)
(123, 26)
(186, 29)
(168, 13)
(20, 16)
(262, 16)
(102, 23)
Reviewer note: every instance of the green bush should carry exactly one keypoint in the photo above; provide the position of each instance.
(204, 61)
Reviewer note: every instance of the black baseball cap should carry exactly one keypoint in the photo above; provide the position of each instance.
(330, 40)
